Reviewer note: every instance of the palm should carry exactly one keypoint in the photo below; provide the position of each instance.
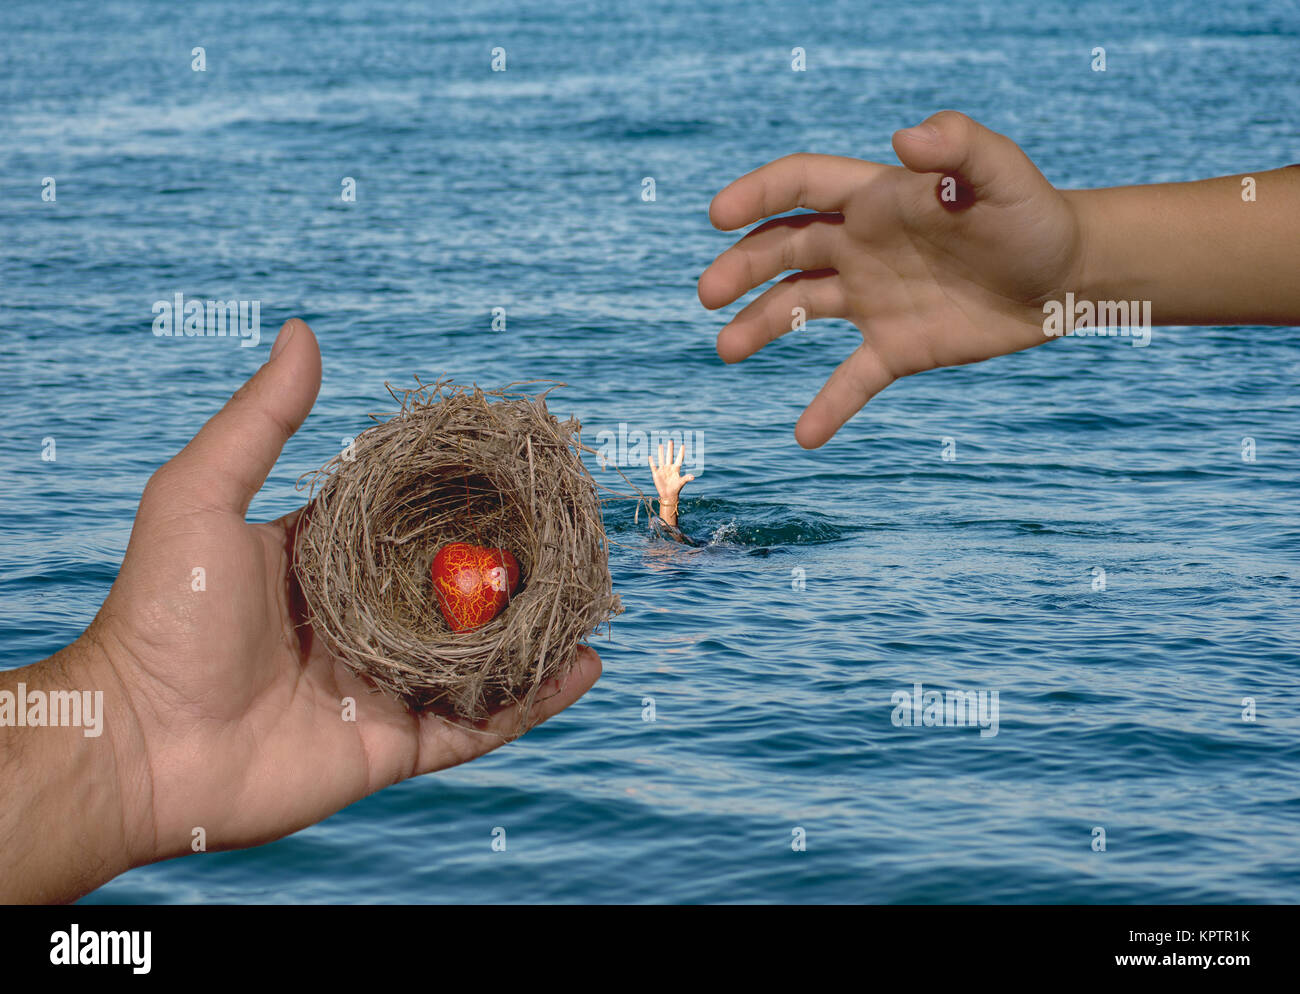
(668, 473)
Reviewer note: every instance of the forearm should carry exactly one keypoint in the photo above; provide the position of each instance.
(1199, 252)
(69, 820)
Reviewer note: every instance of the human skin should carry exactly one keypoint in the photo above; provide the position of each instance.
(669, 481)
(221, 711)
(934, 283)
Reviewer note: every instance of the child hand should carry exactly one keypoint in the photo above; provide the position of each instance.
(668, 481)
(946, 261)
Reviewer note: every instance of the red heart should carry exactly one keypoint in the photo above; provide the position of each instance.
(473, 584)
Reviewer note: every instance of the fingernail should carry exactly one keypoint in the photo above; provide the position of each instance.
(282, 339)
(927, 133)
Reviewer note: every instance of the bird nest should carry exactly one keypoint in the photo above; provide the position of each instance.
(493, 468)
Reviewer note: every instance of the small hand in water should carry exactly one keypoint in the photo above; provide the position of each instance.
(669, 481)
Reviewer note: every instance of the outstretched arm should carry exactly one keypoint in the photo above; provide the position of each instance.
(951, 257)
(1219, 251)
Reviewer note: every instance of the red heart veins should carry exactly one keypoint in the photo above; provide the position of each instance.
(473, 584)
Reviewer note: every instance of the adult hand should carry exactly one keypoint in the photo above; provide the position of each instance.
(222, 712)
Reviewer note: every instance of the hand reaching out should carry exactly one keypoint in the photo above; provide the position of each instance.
(669, 481)
(928, 281)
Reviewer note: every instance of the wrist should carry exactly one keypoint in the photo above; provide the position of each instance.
(1088, 279)
(72, 818)
(100, 662)
(668, 510)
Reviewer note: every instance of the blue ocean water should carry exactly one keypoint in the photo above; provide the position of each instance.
(1119, 709)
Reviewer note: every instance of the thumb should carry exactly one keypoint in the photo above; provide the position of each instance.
(228, 460)
(983, 161)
